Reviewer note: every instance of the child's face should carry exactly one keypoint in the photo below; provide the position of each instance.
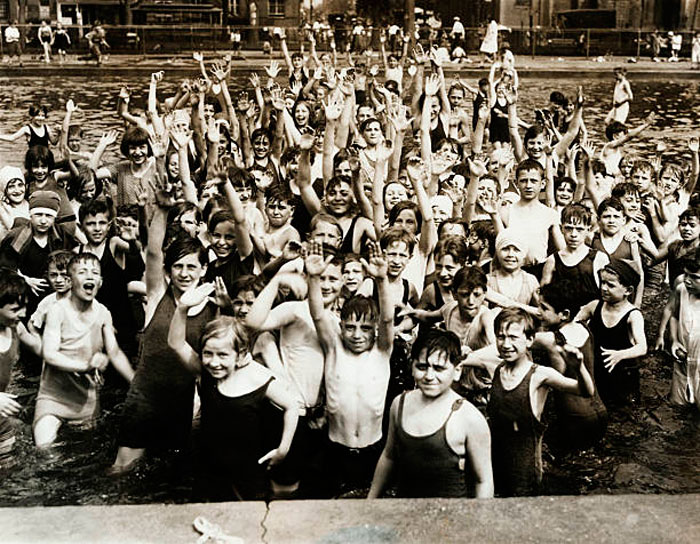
(326, 233)
(96, 228)
(88, 190)
(549, 317)
(41, 221)
(668, 182)
(39, 118)
(689, 228)
(86, 279)
(59, 279)
(278, 212)
(397, 256)
(218, 357)
(574, 233)
(223, 239)
(339, 198)
(631, 204)
(297, 62)
(242, 304)
(331, 281)
(611, 290)
(12, 313)
(395, 193)
(530, 184)
(486, 189)
(15, 191)
(372, 134)
(186, 272)
(138, 153)
(40, 171)
(456, 97)
(510, 257)
(564, 194)
(261, 146)
(174, 165)
(446, 268)
(302, 114)
(75, 142)
(611, 221)
(626, 165)
(407, 221)
(343, 169)
(534, 147)
(188, 221)
(692, 282)
(434, 374)
(244, 191)
(642, 179)
(353, 275)
(442, 209)
(358, 333)
(469, 300)
(364, 113)
(512, 342)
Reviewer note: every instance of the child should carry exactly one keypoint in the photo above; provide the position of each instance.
(617, 327)
(13, 197)
(356, 370)
(432, 460)
(353, 276)
(582, 421)
(279, 209)
(77, 330)
(37, 131)
(13, 300)
(685, 336)
(618, 134)
(450, 255)
(529, 215)
(59, 281)
(576, 262)
(235, 391)
(622, 98)
(517, 401)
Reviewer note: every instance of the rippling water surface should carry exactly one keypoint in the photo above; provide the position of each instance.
(649, 449)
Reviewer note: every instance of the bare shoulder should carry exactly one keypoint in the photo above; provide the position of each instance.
(469, 417)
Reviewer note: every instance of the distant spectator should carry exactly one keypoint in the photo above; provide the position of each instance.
(12, 39)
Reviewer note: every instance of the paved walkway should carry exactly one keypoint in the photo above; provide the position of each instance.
(649, 519)
(540, 67)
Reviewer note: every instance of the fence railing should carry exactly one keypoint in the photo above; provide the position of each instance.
(150, 40)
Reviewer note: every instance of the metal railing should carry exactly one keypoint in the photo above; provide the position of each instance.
(154, 40)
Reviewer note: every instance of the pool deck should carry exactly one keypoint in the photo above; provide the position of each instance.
(591, 519)
(539, 67)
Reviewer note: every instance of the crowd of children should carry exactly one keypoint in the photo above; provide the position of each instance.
(338, 281)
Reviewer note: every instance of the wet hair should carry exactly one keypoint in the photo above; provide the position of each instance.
(35, 110)
(131, 210)
(38, 154)
(453, 245)
(623, 189)
(452, 221)
(512, 316)
(406, 205)
(76, 183)
(177, 211)
(642, 165)
(611, 202)
(94, 207)
(483, 81)
(615, 128)
(692, 262)
(83, 257)
(438, 341)
(181, 246)
(675, 171)
(13, 288)
(469, 277)
(558, 98)
(325, 218)
(134, 137)
(598, 167)
(533, 132)
(226, 327)
(367, 122)
(280, 192)
(576, 213)
(60, 259)
(689, 213)
(358, 307)
(484, 230)
(397, 234)
(528, 165)
(562, 295)
(297, 55)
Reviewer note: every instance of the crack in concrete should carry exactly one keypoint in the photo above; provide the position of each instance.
(263, 535)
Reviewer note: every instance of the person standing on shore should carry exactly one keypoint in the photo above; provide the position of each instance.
(622, 97)
(12, 39)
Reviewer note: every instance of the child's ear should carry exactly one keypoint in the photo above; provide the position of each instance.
(565, 314)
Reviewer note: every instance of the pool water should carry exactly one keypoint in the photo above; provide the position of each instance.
(650, 448)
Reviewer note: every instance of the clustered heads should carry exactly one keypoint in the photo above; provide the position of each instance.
(353, 277)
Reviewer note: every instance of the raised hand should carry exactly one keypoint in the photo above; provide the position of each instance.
(197, 55)
(108, 138)
(333, 108)
(432, 85)
(314, 262)
(159, 144)
(70, 106)
(254, 80)
(180, 136)
(264, 181)
(165, 195)
(434, 57)
(273, 70)
(213, 133)
(418, 53)
(374, 70)
(306, 142)
(415, 168)
(243, 103)
(694, 144)
(196, 295)
(297, 87)
(488, 204)
(221, 297)
(126, 229)
(399, 122)
(277, 100)
(384, 150)
(157, 76)
(318, 73)
(477, 168)
(412, 70)
(377, 266)
(124, 93)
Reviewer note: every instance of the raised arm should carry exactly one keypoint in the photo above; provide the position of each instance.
(308, 194)
(428, 234)
(377, 268)
(177, 333)
(243, 241)
(315, 265)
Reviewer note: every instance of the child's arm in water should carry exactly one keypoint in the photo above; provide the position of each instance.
(116, 356)
(278, 393)
(385, 464)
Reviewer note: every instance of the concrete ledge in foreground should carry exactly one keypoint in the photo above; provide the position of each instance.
(592, 519)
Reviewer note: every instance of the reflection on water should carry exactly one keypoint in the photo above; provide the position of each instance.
(648, 449)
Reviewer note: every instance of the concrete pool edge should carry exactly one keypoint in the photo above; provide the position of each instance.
(593, 518)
